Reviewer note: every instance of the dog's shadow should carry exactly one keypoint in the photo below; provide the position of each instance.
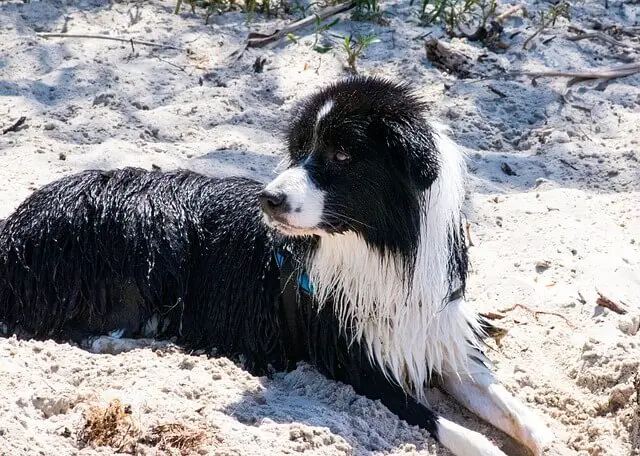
(306, 397)
(307, 400)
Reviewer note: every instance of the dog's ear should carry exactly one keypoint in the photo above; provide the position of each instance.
(413, 142)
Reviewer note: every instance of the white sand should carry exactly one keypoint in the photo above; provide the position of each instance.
(97, 104)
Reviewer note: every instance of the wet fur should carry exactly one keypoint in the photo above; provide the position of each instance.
(178, 254)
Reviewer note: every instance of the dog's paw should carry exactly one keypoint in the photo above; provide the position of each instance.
(536, 435)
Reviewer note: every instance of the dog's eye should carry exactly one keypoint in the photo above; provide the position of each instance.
(341, 156)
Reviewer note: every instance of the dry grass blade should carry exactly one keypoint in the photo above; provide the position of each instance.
(113, 426)
(536, 312)
(106, 37)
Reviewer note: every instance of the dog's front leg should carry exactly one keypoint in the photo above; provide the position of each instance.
(342, 358)
(481, 393)
(459, 440)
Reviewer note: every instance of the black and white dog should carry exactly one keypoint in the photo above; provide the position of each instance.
(359, 269)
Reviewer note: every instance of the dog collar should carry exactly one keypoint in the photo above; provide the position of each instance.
(295, 288)
(283, 256)
(287, 271)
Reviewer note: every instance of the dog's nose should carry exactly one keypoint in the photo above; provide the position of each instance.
(273, 202)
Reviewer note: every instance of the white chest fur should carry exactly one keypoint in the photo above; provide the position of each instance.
(410, 331)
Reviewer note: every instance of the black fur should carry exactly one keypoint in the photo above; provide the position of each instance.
(100, 251)
(107, 250)
(392, 159)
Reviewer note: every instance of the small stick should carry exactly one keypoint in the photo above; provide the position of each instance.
(603, 301)
(468, 229)
(585, 75)
(500, 93)
(15, 126)
(536, 33)
(172, 64)
(535, 313)
(575, 28)
(106, 37)
(581, 298)
(492, 315)
(632, 30)
(601, 36)
(509, 12)
(257, 40)
(124, 436)
(176, 10)
(570, 165)
(599, 73)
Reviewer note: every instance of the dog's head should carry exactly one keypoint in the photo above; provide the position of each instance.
(361, 155)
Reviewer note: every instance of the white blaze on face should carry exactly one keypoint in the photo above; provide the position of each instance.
(304, 200)
(323, 111)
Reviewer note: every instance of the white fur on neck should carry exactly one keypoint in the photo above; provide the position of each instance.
(409, 339)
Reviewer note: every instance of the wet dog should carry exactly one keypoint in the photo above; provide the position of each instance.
(352, 259)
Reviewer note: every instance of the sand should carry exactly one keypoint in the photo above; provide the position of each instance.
(563, 224)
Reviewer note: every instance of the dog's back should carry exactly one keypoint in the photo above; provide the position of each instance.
(146, 253)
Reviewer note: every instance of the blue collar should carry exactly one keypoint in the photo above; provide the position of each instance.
(304, 283)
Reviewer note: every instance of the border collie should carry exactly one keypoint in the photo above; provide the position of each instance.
(352, 259)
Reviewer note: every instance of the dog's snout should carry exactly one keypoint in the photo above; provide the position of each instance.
(272, 201)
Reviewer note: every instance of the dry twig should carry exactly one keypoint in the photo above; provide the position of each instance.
(16, 125)
(492, 315)
(603, 37)
(498, 92)
(446, 57)
(581, 299)
(535, 313)
(567, 163)
(107, 37)
(510, 12)
(257, 40)
(577, 76)
(468, 229)
(603, 301)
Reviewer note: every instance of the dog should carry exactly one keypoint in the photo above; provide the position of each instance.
(352, 259)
